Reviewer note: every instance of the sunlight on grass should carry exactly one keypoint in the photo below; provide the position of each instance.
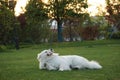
(23, 65)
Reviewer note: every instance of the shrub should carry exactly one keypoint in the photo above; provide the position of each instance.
(116, 35)
(2, 48)
(90, 33)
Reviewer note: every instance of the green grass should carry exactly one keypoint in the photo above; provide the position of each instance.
(23, 65)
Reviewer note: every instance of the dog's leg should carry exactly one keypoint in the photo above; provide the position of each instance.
(64, 68)
(51, 68)
(42, 65)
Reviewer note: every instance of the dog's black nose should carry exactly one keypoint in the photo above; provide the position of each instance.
(48, 54)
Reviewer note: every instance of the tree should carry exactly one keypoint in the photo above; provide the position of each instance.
(36, 19)
(6, 23)
(113, 9)
(22, 27)
(113, 17)
(60, 9)
(37, 11)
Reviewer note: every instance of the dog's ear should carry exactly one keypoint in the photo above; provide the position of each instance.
(52, 50)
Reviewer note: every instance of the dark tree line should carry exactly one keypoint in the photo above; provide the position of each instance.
(8, 24)
(33, 27)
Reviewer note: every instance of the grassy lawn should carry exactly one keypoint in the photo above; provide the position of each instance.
(23, 65)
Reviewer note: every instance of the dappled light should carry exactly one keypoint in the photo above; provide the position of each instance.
(92, 6)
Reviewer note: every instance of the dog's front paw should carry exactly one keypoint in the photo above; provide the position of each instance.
(61, 69)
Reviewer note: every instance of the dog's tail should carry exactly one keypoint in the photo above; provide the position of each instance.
(94, 65)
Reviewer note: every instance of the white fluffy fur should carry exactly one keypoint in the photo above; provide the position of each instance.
(52, 61)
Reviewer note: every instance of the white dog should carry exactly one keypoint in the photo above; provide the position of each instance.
(52, 61)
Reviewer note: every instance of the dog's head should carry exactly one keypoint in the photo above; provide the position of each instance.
(45, 53)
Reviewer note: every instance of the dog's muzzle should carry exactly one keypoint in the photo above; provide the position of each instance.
(49, 54)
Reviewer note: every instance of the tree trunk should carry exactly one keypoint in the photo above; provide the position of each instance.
(60, 39)
(59, 20)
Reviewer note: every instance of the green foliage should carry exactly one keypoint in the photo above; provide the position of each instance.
(114, 11)
(6, 24)
(6, 17)
(62, 9)
(36, 12)
(23, 65)
(2, 48)
(116, 35)
(37, 25)
(38, 33)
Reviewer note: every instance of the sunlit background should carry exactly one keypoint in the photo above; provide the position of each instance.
(95, 6)
(20, 7)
